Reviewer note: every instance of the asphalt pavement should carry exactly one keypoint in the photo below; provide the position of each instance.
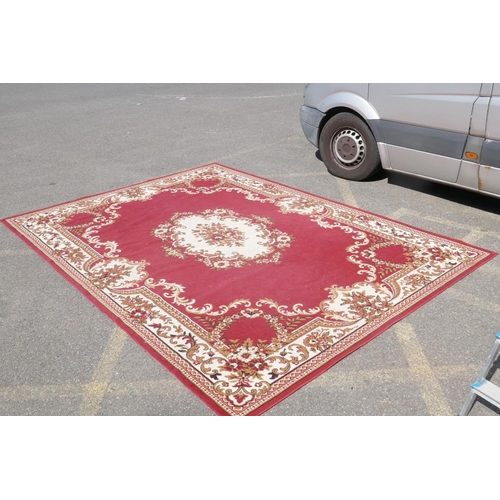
(59, 355)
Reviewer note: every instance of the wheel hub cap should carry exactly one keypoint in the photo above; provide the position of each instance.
(349, 148)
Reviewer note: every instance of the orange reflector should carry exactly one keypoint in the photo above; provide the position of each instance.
(471, 155)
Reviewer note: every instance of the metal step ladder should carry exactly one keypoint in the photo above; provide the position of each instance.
(482, 387)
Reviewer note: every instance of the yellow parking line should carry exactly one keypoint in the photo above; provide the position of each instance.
(300, 174)
(397, 214)
(95, 391)
(473, 237)
(421, 371)
(6, 253)
(339, 378)
(256, 148)
(491, 268)
(20, 393)
(345, 191)
(332, 378)
(447, 222)
(473, 300)
(164, 386)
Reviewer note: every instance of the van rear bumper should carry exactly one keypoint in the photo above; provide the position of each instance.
(310, 118)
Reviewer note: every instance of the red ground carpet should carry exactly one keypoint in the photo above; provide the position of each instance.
(244, 288)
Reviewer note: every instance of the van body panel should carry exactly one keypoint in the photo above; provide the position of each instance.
(468, 176)
(352, 101)
(327, 96)
(489, 179)
(486, 89)
(442, 106)
(310, 119)
(447, 132)
(490, 155)
(479, 116)
(424, 164)
(426, 139)
(473, 145)
(316, 93)
(493, 121)
(489, 169)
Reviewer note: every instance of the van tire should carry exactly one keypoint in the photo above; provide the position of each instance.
(348, 148)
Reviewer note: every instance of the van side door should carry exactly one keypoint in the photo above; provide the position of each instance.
(424, 125)
(489, 167)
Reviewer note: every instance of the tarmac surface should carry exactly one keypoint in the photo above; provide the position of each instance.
(59, 355)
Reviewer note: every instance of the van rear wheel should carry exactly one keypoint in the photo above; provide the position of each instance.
(348, 148)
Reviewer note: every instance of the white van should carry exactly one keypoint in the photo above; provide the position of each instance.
(444, 132)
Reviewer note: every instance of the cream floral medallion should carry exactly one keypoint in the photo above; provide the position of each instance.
(222, 238)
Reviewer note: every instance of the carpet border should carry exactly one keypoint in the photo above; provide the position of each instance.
(118, 322)
(456, 240)
(301, 382)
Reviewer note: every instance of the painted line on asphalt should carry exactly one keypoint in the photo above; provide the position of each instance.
(397, 214)
(300, 174)
(23, 393)
(445, 222)
(421, 371)
(491, 268)
(364, 378)
(256, 148)
(345, 191)
(339, 379)
(156, 387)
(7, 253)
(473, 237)
(167, 387)
(183, 97)
(96, 390)
(475, 301)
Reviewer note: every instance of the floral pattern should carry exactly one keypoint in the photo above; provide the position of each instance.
(396, 269)
(222, 238)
